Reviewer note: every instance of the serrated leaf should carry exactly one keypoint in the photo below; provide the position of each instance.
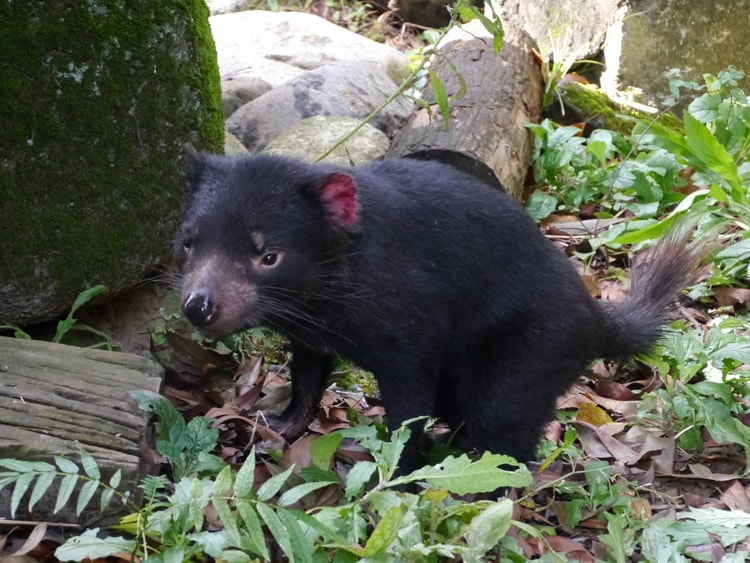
(22, 485)
(228, 519)
(386, 531)
(89, 546)
(359, 475)
(90, 467)
(301, 546)
(274, 484)
(489, 527)
(223, 483)
(252, 523)
(87, 493)
(463, 476)
(65, 465)
(67, 486)
(276, 528)
(245, 478)
(211, 543)
(41, 486)
(296, 493)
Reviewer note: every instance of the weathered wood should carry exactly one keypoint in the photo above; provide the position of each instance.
(487, 133)
(56, 399)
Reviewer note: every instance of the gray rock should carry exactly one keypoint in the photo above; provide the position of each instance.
(278, 46)
(651, 37)
(311, 138)
(239, 89)
(568, 31)
(345, 88)
(226, 6)
(232, 145)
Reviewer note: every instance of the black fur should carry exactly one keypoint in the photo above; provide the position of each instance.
(441, 286)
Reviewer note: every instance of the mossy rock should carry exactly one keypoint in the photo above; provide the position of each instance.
(98, 100)
(585, 103)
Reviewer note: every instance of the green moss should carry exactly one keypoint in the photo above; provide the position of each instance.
(592, 102)
(98, 99)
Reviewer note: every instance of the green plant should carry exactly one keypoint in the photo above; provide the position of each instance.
(70, 324)
(374, 520)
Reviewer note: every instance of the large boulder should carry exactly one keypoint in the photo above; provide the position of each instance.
(637, 40)
(650, 37)
(98, 99)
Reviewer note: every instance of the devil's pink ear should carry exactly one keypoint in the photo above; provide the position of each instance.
(338, 196)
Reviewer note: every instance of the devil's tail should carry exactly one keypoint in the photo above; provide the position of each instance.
(657, 276)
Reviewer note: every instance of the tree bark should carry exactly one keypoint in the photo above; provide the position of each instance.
(487, 133)
(56, 399)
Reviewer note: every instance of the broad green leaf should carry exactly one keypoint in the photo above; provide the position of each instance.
(277, 529)
(212, 543)
(89, 465)
(253, 526)
(360, 474)
(67, 486)
(22, 485)
(85, 495)
(711, 153)
(486, 530)
(386, 532)
(274, 484)
(323, 448)
(462, 476)
(540, 205)
(89, 546)
(40, 487)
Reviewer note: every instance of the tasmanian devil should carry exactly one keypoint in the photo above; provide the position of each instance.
(441, 286)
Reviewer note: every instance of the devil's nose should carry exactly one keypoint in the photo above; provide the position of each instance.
(200, 309)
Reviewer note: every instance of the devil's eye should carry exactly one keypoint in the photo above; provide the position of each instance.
(187, 243)
(269, 259)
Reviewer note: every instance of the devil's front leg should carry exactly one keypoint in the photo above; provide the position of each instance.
(310, 372)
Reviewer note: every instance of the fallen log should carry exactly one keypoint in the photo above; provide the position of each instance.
(487, 133)
(55, 400)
